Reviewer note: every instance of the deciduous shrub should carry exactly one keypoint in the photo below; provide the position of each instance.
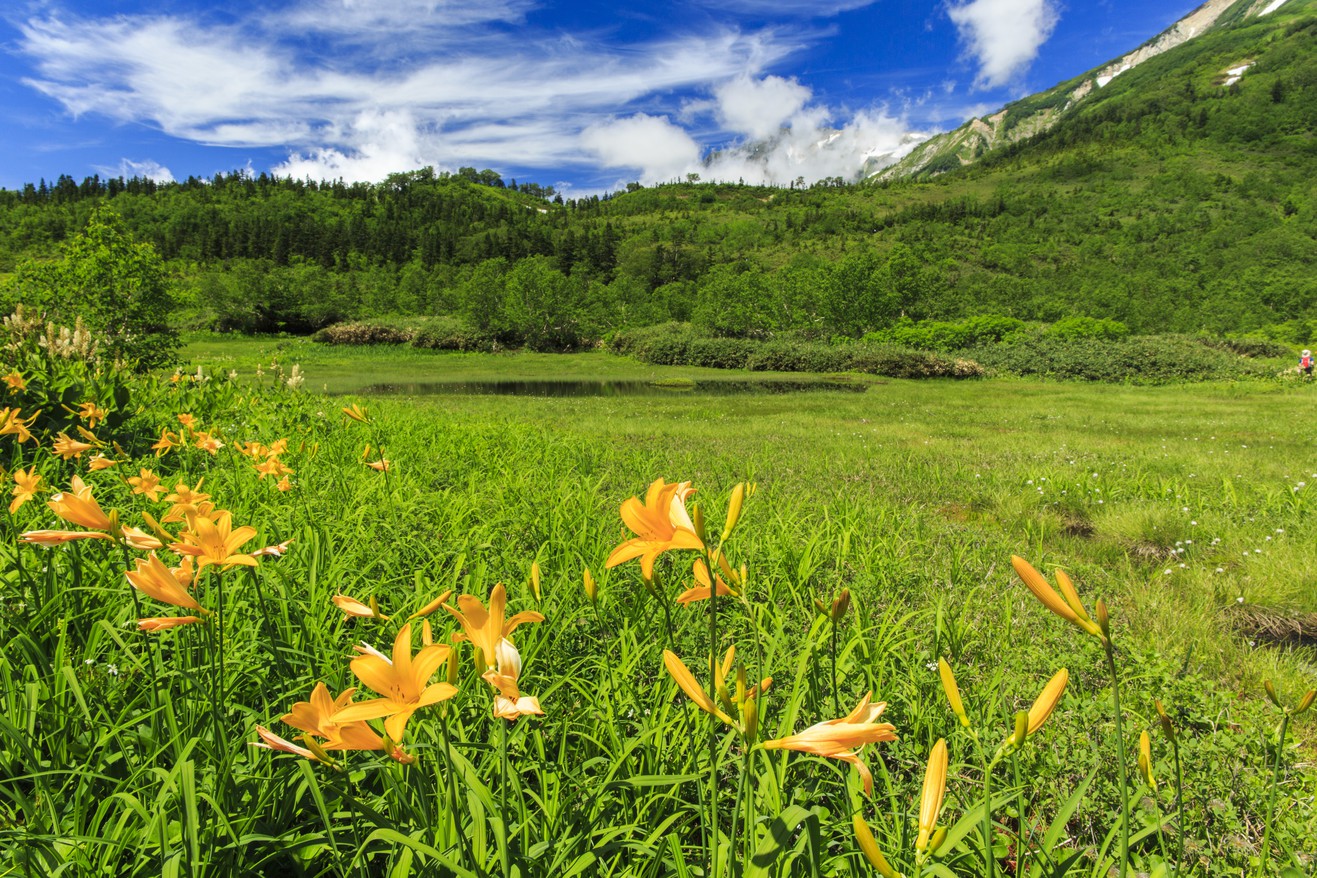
(362, 333)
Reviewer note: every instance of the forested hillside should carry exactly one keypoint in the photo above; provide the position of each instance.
(1171, 201)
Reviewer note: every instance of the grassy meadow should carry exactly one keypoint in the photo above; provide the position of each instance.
(877, 540)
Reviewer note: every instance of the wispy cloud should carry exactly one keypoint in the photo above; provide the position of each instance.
(1003, 35)
(359, 89)
(148, 168)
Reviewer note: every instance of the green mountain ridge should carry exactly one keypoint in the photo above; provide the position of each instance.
(1040, 112)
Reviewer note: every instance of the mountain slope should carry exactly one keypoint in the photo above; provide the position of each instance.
(1041, 112)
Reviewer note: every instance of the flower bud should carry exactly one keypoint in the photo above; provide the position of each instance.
(938, 837)
(1145, 760)
(734, 509)
(451, 675)
(1021, 733)
(821, 607)
(750, 718)
(591, 590)
(869, 847)
(841, 605)
(697, 519)
(952, 691)
(1167, 728)
(1103, 620)
(1306, 702)
(1271, 693)
(535, 580)
(317, 751)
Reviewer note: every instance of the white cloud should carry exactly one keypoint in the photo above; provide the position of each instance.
(1003, 35)
(148, 168)
(791, 139)
(759, 107)
(477, 93)
(660, 149)
(804, 8)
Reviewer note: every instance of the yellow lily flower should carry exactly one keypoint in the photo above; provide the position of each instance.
(68, 448)
(216, 543)
(509, 703)
(660, 524)
(704, 587)
(1044, 705)
(168, 586)
(147, 484)
(26, 485)
(403, 683)
(843, 738)
(14, 425)
(168, 441)
(315, 717)
(354, 607)
(164, 623)
(15, 380)
(487, 628)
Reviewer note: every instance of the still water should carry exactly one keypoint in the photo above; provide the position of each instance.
(607, 388)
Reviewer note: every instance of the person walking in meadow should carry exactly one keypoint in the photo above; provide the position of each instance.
(1305, 363)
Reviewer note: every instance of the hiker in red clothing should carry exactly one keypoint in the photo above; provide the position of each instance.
(1305, 363)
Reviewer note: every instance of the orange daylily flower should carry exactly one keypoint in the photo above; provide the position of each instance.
(15, 381)
(843, 738)
(382, 465)
(314, 718)
(272, 467)
(80, 507)
(661, 523)
(69, 448)
(509, 703)
(168, 441)
(14, 425)
(100, 462)
(148, 484)
(132, 537)
(284, 484)
(164, 623)
(207, 442)
(403, 682)
(26, 485)
(216, 542)
(487, 628)
(704, 587)
(187, 420)
(168, 586)
(354, 607)
(91, 413)
(356, 413)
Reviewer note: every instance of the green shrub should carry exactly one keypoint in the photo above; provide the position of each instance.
(781, 356)
(362, 333)
(720, 353)
(1254, 348)
(1148, 359)
(452, 334)
(947, 336)
(897, 362)
(1088, 327)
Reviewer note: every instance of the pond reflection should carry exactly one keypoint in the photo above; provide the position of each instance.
(607, 388)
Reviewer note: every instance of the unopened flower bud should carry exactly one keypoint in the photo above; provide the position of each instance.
(591, 590)
(1271, 693)
(535, 579)
(841, 605)
(1306, 701)
(734, 509)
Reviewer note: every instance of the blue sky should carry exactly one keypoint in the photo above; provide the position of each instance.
(582, 95)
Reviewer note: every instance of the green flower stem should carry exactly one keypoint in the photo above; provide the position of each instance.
(1275, 787)
(1120, 763)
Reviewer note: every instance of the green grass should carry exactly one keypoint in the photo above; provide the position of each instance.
(127, 754)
